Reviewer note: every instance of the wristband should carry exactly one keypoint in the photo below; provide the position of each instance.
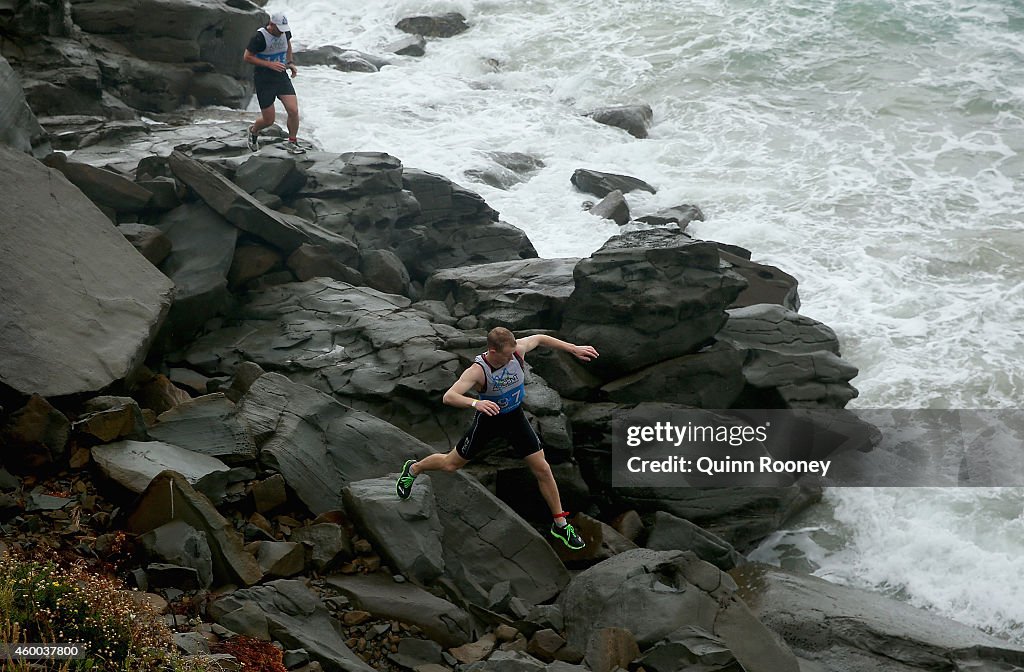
(290, 63)
(473, 405)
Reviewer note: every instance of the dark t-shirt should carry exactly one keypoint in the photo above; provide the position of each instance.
(257, 44)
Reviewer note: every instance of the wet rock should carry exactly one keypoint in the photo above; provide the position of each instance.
(445, 25)
(250, 262)
(634, 119)
(680, 215)
(601, 184)
(613, 207)
(276, 175)
(414, 45)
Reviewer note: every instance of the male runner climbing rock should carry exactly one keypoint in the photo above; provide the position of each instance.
(497, 376)
(270, 50)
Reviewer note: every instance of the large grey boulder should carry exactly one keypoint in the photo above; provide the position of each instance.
(525, 294)
(134, 464)
(486, 543)
(80, 304)
(169, 497)
(19, 127)
(794, 354)
(648, 296)
(210, 425)
(202, 247)
(381, 596)
(849, 629)
(407, 534)
(289, 612)
(318, 445)
(653, 594)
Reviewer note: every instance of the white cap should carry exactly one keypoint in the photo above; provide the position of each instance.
(281, 21)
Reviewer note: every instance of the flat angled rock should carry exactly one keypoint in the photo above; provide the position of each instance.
(171, 497)
(316, 443)
(209, 425)
(378, 594)
(486, 543)
(407, 534)
(134, 464)
(526, 294)
(292, 614)
(103, 187)
(286, 232)
(80, 304)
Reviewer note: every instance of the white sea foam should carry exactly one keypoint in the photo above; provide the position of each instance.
(871, 149)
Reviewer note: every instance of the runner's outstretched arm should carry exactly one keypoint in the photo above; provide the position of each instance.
(528, 343)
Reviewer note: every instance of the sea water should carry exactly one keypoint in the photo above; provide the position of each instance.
(872, 149)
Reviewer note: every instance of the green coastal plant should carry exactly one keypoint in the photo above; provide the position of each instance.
(49, 603)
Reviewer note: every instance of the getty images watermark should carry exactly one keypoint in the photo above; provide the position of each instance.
(655, 447)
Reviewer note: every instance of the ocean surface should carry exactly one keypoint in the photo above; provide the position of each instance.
(872, 149)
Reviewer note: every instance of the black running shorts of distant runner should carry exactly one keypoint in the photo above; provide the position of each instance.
(512, 426)
(269, 88)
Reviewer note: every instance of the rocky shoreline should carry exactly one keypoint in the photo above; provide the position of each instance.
(212, 362)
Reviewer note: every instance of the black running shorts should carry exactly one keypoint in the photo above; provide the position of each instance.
(269, 88)
(512, 426)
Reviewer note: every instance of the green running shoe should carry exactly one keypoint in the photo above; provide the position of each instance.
(404, 485)
(568, 536)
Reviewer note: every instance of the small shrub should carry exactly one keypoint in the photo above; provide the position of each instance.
(254, 655)
(41, 601)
